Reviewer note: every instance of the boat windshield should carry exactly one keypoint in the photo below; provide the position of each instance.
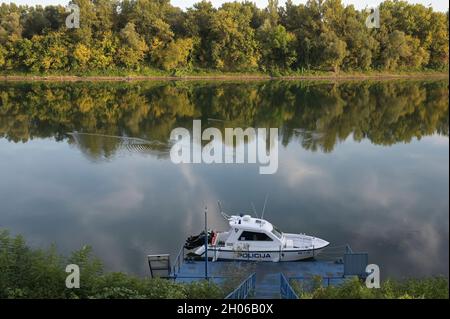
(277, 232)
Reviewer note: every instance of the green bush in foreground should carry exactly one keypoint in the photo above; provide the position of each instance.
(37, 273)
(354, 288)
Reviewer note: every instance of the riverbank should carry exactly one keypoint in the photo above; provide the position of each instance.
(326, 76)
(353, 288)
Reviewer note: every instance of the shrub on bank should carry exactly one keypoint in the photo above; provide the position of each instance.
(354, 288)
(38, 273)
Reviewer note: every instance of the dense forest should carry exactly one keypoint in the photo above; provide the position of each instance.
(152, 35)
(316, 115)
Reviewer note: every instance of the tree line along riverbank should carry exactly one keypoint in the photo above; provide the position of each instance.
(154, 38)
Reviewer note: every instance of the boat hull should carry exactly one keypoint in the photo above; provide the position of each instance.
(272, 256)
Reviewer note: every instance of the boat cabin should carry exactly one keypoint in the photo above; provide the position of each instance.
(246, 230)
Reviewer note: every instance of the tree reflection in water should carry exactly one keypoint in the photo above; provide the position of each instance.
(317, 115)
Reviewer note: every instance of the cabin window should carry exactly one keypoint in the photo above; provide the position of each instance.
(277, 232)
(254, 236)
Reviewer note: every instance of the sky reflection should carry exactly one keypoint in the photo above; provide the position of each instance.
(390, 201)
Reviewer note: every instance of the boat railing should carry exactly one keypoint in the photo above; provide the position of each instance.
(245, 289)
(286, 290)
(348, 249)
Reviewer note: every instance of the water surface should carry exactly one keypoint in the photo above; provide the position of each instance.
(363, 163)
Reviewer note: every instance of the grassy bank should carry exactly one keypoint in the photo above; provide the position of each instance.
(424, 288)
(39, 273)
(203, 74)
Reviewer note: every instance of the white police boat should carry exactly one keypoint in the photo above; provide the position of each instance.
(255, 239)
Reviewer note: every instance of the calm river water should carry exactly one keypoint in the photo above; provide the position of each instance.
(360, 163)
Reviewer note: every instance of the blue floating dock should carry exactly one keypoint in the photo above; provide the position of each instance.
(267, 273)
(268, 277)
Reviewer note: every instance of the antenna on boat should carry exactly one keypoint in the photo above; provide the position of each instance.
(264, 208)
(227, 217)
(254, 210)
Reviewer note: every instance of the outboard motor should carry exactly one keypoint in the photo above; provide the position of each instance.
(196, 241)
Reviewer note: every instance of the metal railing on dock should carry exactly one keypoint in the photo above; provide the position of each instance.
(178, 262)
(286, 290)
(245, 289)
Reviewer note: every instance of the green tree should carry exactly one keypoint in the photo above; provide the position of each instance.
(10, 27)
(176, 54)
(133, 47)
(394, 48)
(333, 49)
(3, 53)
(199, 26)
(234, 46)
(277, 46)
(150, 20)
(271, 12)
(47, 52)
(35, 22)
(104, 51)
(438, 48)
(81, 56)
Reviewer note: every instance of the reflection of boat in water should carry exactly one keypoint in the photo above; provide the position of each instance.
(255, 239)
